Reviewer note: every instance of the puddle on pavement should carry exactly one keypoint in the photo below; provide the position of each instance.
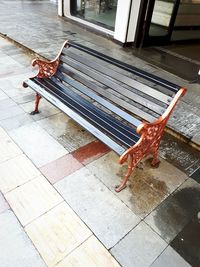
(146, 190)
(187, 242)
(179, 154)
(172, 216)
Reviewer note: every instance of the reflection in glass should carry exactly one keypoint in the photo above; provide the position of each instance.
(161, 17)
(101, 12)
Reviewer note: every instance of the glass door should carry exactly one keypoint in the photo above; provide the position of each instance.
(99, 12)
(157, 19)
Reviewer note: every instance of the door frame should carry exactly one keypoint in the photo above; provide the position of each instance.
(142, 37)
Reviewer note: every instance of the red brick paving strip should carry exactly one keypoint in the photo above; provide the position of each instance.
(90, 152)
(60, 168)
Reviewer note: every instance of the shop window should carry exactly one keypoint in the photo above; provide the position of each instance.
(100, 12)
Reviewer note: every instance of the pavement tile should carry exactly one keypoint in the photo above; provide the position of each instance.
(38, 145)
(100, 209)
(2, 95)
(7, 61)
(16, 248)
(138, 248)
(13, 71)
(193, 168)
(67, 132)
(166, 175)
(3, 204)
(56, 125)
(196, 138)
(57, 233)
(196, 175)
(187, 242)
(91, 254)
(15, 122)
(22, 99)
(12, 86)
(45, 108)
(32, 199)
(16, 172)
(8, 66)
(178, 153)
(172, 215)
(142, 195)
(90, 152)
(7, 147)
(9, 109)
(58, 169)
(7, 103)
(171, 258)
(184, 120)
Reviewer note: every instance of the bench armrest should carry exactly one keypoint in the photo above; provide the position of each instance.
(151, 134)
(46, 68)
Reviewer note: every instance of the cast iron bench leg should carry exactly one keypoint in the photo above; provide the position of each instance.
(37, 101)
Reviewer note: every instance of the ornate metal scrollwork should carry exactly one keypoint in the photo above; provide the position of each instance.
(149, 141)
(46, 69)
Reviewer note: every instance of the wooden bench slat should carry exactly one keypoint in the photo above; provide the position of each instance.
(140, 113)
(56, 101)
(127, 130)
(83, 107)
(97, 98)
(122, 78)
(169, 85)
(116, 87)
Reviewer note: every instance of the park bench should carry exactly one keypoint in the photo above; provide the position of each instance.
(124, 107)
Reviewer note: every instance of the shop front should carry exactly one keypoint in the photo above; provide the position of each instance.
(139, 22)
(111, 17)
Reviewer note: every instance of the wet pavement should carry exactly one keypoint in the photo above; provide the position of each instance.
(73, 212)
(58, 206)
(36, 26)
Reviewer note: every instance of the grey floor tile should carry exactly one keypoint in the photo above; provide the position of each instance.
(37, 144)
(187, 242)
(178, 153)
(100, 209)
(10, 112)
(15, 122)
(147, 186)
(16, 248)
(45, 109)
(171, 216)
(139, 248)
(67, 132)
(3, 204)
(9, 109)
(171, 258)
(196, 175)
(2, 95)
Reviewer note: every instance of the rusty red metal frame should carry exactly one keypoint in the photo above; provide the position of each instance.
(46, 69)
(149, 142)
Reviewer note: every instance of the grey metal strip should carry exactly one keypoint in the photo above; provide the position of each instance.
(101, 136)
(122, 78)
(140, 113)
(99, 99)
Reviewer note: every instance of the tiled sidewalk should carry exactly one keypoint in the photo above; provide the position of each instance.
(58, 206)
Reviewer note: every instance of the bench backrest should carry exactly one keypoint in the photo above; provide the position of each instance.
(121, 85)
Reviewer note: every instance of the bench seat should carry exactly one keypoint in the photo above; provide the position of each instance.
(100, 124)
(124, 107)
